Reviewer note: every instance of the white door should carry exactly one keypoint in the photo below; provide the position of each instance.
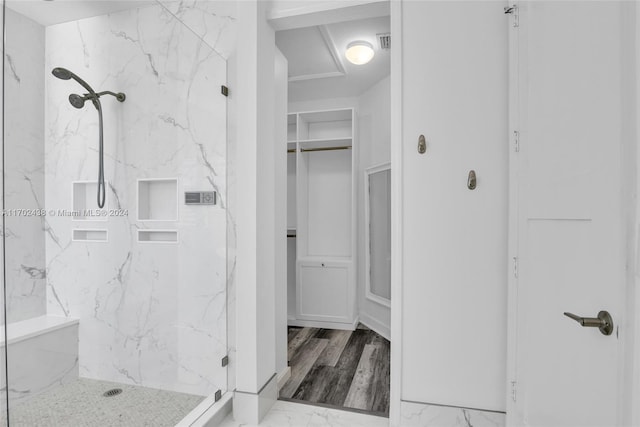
(454, 92)
(568, 101)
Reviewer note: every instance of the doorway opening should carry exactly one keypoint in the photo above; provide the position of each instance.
(338, 214)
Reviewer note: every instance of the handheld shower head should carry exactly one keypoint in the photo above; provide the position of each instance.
(62, 73)
(78, 102)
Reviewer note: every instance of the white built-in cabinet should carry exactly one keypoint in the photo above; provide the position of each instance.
(321, 214)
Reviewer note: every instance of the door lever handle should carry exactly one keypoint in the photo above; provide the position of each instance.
(604, 322)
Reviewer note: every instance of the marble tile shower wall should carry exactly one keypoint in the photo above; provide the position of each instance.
(211, 20)
(152, 314)
(24, 168)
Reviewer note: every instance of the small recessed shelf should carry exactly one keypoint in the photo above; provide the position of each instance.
(90, 235)
(157, 236)
(158, 199)
(84, 202)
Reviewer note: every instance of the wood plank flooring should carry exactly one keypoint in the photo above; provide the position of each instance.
(346, 369)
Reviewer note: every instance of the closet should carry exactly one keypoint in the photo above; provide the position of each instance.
(321, 219)
(338, 143)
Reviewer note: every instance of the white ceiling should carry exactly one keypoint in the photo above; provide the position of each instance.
(58, 11)
(317, 66)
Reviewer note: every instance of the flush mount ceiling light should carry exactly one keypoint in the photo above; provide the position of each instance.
(359, 52)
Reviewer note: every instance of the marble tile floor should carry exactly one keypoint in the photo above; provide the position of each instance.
(290, 414)
(339, 369)
(81, 403)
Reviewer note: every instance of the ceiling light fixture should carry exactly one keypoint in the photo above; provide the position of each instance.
(359, 52)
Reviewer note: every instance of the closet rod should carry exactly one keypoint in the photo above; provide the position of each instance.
(305, 150)
(291, 235)
(291, 150)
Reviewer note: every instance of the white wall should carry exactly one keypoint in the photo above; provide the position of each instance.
(256, 390)
(280, 223)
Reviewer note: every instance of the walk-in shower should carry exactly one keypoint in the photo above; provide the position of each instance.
(78, 102)
(131, 296)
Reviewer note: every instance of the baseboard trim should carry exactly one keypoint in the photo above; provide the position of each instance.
(284, 376)
(375, 325)
(325, 325)
(250, 408)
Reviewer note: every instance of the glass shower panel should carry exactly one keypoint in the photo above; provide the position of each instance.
(3, 335)
(116, 308)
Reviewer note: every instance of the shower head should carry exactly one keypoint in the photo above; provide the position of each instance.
(64, 74)
(77, 100)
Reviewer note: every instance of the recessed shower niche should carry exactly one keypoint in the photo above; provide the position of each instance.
(87, 235)
(85, 204)
(157, 236)
(158, 199)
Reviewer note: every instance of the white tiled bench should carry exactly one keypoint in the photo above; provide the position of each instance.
(43, 353)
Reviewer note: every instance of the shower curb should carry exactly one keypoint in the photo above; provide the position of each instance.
(209, 413)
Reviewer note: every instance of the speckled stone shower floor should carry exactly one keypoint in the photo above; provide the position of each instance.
(82, 403)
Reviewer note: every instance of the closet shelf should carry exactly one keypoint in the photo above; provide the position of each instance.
(309, 144)
(345, 114)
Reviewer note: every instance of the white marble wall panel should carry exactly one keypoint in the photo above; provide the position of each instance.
(24, 167)
(151, 314)
(212, 20)
(423, 415)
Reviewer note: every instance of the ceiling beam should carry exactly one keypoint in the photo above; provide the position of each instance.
(290, 14)
(332, 48)
(304, 77)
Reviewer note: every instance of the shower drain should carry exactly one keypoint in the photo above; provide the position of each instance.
(112, 392)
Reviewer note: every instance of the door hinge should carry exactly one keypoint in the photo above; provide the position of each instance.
(218, 395)
(514, 388)
(225, 361)
(224, 90)
(515, 267)
(513, 10)
(516, 141)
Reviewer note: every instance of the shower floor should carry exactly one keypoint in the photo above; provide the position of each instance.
(81, 403)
